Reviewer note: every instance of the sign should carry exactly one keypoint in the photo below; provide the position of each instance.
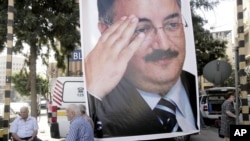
(131, 59)
(76, 55)
(239, 132)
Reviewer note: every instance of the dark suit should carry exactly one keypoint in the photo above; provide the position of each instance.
(124, 112)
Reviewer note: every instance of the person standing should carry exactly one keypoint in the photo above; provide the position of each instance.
(84, 114)
(228, 116)
(202, 122)
(80, 129)
(24, 127)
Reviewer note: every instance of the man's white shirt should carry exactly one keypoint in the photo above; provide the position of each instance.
(178, 95)
(24, 128)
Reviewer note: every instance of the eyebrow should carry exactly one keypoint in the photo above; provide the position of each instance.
(171, 16)
(174, 15)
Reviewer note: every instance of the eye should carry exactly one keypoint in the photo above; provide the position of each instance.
(143, 29)
(171, 26)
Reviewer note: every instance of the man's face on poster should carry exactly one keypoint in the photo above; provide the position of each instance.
(157, 64)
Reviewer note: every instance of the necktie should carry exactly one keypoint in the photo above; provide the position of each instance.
(165, 111)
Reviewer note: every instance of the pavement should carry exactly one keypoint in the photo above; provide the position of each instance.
(206, 134)
(44, 128)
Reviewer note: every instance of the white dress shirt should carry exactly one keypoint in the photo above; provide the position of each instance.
(178, 95)
(24, 128)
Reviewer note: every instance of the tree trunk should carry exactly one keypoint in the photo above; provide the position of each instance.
(32, 79)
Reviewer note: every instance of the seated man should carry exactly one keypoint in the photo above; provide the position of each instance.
(24, 127)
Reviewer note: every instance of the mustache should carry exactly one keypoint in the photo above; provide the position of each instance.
(159, 54)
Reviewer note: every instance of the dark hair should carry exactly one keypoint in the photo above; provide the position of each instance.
(106, 13)
(231, 93)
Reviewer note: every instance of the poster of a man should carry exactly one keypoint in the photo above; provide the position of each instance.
(135, 73)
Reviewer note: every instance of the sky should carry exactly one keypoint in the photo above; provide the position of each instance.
(222, 17)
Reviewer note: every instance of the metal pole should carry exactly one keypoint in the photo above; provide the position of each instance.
(242, 62)
(236, 85)
(10, 22)
(68, 57)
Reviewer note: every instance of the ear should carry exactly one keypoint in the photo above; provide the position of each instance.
(102, 27)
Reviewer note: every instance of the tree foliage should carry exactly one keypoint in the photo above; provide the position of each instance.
(39, 23)
(207, 47)
(3, 23)
(42, 23)
(48, 23)
(21, 86)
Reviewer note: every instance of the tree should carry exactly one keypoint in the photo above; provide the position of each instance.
(3, 23)
(207, 47)
(42, 23)
(20, 80)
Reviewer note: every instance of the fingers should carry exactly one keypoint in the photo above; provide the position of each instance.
(129, 51)
(114, 50)
(126, 34)
(112, 28)
(119, 34)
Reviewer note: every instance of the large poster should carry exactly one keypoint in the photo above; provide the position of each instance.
(140, 68)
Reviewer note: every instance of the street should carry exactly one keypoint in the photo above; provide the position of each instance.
(44, 129)
(209, 134)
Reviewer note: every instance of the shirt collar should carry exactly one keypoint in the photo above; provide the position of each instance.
(74, 119)
(28, 118)
(177, 95)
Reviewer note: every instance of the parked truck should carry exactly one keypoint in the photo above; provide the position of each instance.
(211, 100)
(65, 91)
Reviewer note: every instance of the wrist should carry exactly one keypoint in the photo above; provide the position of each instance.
(94, 95)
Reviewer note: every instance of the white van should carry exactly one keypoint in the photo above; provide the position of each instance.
(13, 115)
(66, 90)
(211, 100)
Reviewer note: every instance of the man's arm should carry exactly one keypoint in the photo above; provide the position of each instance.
(35, 129)
(107, 62)
(72, 134)
(33, 135)
(14, 135)
(13, 129)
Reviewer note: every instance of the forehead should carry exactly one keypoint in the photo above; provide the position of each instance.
(68, 109)
(23, 110)
(145, 8)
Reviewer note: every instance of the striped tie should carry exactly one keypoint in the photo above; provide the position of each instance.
(165, 111)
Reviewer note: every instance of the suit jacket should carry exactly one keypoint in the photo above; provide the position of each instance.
(123, 112)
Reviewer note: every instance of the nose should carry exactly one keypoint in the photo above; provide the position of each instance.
(161, 40)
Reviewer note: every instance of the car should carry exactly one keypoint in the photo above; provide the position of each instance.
(211, 100)
(42, 103)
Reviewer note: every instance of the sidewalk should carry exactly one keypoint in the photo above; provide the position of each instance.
(44, 128)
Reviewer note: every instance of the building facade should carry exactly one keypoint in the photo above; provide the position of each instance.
(17, 65)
